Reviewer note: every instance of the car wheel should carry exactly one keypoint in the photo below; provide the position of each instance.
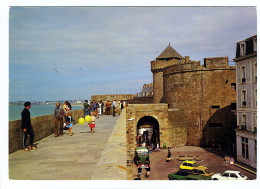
(215, 179)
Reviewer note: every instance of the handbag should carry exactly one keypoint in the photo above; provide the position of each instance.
(65, 126)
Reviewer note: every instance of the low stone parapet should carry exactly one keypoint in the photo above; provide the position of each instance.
(112, 164)
(43, 126)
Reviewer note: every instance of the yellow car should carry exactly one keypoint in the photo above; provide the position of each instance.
(203, 171)
(190, 165)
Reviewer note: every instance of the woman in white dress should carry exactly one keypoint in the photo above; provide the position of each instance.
(99, 108)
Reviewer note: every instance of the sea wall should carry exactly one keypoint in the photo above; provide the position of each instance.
(43, 126)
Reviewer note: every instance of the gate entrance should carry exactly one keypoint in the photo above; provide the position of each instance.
(148, 132)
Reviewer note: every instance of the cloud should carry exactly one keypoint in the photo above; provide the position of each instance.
(102, 47)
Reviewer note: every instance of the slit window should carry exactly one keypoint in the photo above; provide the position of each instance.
(215, 106)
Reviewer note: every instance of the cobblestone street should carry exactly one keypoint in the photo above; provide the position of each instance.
(209, 158)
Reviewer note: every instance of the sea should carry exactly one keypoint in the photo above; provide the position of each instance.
(35, 110)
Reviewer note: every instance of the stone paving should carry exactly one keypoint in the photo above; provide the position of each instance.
(64, 157)
(213, 159)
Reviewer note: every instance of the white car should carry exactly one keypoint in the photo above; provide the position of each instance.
(229, 175)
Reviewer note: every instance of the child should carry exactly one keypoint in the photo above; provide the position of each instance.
(69, 121)
(92, 122)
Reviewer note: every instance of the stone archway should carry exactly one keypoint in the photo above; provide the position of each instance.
(148, 131)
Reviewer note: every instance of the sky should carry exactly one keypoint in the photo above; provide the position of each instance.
(67, 53)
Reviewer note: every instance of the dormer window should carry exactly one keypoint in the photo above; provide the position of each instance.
(242, 49)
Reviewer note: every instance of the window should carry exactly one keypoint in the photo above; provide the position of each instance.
(256, 97)
(225, 175)
(243, 98)
(233, 175)
(255, 44)
(243, 121)
(242, 49)
(243, 74)
(255, 72)
(245, 147)
(255, 150)
(201, 172)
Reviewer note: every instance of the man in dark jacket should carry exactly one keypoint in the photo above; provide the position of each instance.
(27, 127)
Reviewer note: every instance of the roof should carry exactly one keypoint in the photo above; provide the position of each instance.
(187, 161)
(247, 39)
(169, 53)
(232, 171)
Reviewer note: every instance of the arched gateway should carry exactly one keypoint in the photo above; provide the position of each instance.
(148, 131)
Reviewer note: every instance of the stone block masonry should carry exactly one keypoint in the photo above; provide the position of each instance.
(112, 164)
(43, 126)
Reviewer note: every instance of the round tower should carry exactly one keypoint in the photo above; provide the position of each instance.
(167, 58)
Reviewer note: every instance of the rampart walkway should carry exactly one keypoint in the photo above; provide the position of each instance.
(78, 157)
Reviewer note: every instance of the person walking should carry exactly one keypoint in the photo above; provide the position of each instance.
(92, 123)
(86, 107)
(95, 108)
(27, 127)
(58, 119)
(102, 106)
(65, 108)
(108, 104)
(114, 108)
(69, 121)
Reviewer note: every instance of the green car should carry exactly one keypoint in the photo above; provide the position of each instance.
(142, 159)
(184, 174)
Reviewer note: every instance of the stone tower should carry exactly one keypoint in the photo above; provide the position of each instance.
(167, 58)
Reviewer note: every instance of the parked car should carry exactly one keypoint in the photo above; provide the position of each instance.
(186, 174)
(229, 175)
(190, 165)
(203, 171)
(142, 158)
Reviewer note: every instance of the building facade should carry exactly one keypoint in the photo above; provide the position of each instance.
(246, 83)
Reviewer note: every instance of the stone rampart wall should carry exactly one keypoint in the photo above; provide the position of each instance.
(199, 93)
(111, 97)
(43, 126)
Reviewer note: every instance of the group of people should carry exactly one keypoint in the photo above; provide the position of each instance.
(63, 118)
(63, 115)
(98, 108)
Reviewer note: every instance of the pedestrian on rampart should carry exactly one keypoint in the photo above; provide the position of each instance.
(90, 107)
(86, 107)
(58, 119)
(114, 108)
(102, 107)
(69, 121)
(27, 127)
(95, 108)
(92, 123)
(108, 104)
(65, 108)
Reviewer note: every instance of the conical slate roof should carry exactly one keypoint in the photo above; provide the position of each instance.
(169, 53)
